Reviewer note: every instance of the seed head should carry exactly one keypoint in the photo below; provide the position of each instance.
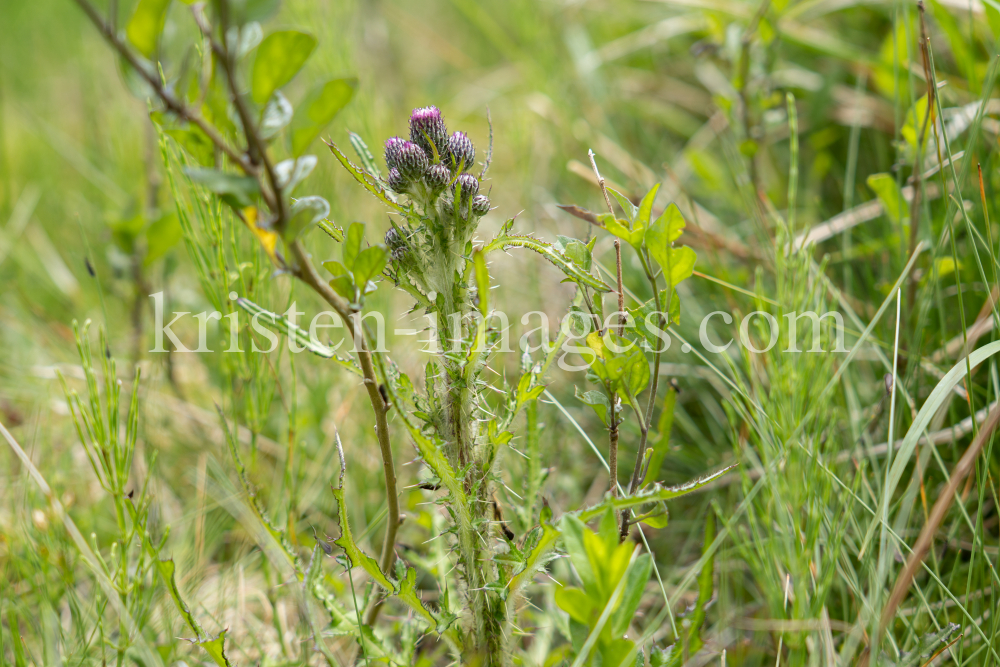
(437, 177)
(396, 181)
(463, 153)
(480, 205)
(427, 130)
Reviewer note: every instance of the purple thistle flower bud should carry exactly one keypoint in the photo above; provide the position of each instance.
(392, 146)
(437, 177)
(396, 181)
(396, 243)
(427, 130)
(463, 153)
(480, 205)
(466, 186)
(412, 161)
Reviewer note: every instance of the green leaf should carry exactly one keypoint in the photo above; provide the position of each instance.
(345, 287)
(650, 494)
(576, 603)
(285, 326)
(662, 233)
(237, 191)
(616, 226)
(304, 212)
(365, 155)
(642, 218)
(367, 180)
(195, 142)
(357, 557)
(638, 576)
(370, 263)
(636, 375)
(482, 281)
(279, 58)
(885, 187)
(217, 649)
(626, 204)
(292, 172)
(573, 530)
(352, 246)
(161, 236)
(144, 28)
(319, 107)
(598, 401)
(277, 114)
(167, 571)
(550, 252)
(336, 268)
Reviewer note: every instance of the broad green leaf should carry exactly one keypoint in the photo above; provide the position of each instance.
(292, 172)
(195, 142)
(681, 262)
(125, 232)
(651, 328)
(279, 58)
(616, 226)
(370, 263)
(336, 268)
(658, 520)
(596, 343)
(277, 114)
(319, 107)
(598, 401)
(572, 530)
(896, 208)
(662, 233)
(144, 28)
(304, 212)
(576, 603)
(643, 215)
(237, 191)
(352, 246)
(638, 576)
(161, 236)
(626, 204)
(636, 375)
(247, 11)
(345, 287)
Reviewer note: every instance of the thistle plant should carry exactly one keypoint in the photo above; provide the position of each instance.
(226, 162)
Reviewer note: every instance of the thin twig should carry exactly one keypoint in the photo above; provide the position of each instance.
(172, 104)
(613, 429)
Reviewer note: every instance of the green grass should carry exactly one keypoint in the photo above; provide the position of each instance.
(812, 531)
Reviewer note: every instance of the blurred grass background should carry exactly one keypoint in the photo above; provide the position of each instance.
(689, 93)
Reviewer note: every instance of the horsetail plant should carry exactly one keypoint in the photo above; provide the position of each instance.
(228, 142)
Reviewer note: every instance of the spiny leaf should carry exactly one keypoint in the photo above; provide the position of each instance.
(650, 494)
(549, 252)
(369, 181)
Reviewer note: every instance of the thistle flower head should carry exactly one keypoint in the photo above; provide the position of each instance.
(437, 177)
(392, 146)
(466, 187)
(396, 244)
(397, 183)
(480, 205)
(412, 161)
(427, 130)
(463, 153)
